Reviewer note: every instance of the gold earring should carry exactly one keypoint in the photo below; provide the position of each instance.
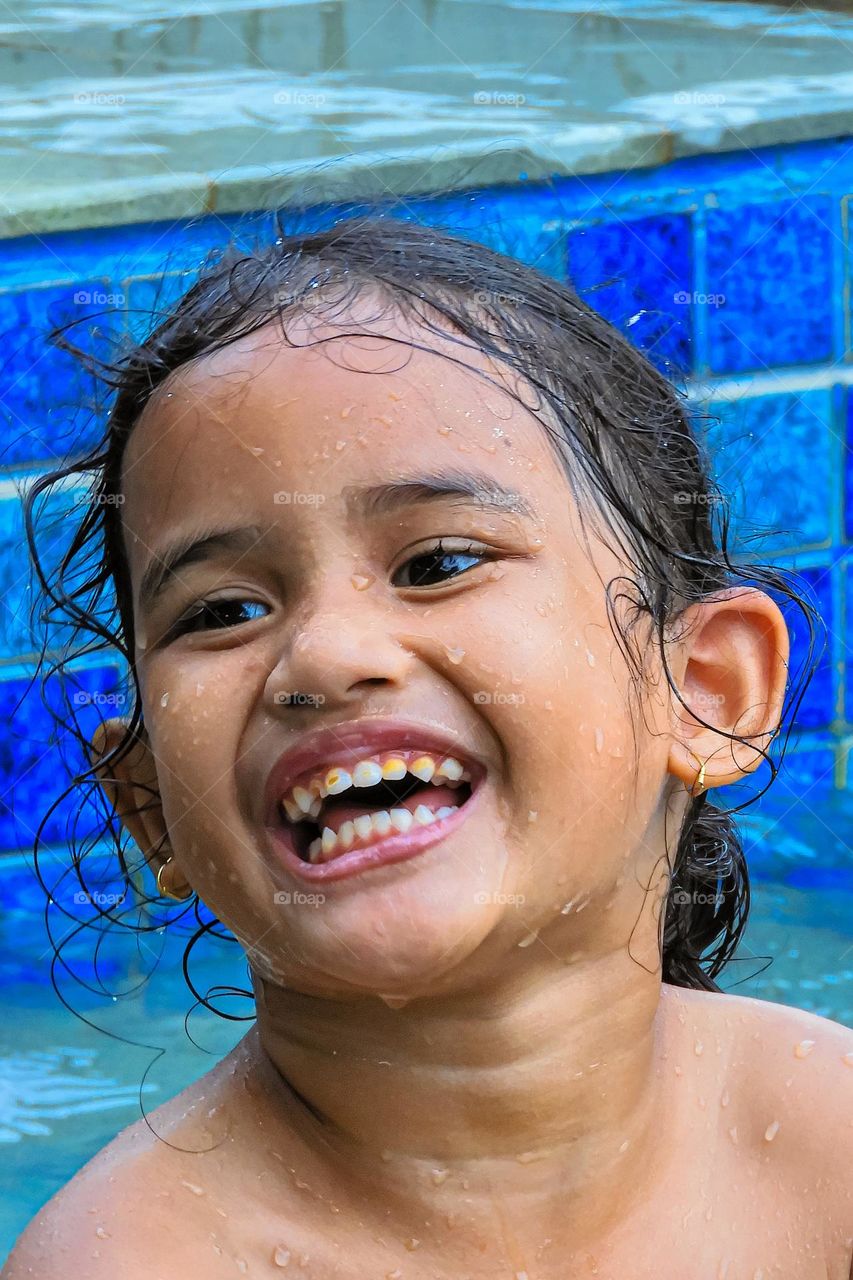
(699, 782)
(165, 893)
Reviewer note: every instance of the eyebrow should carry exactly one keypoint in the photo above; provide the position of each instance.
(470, 487)
(193, 548)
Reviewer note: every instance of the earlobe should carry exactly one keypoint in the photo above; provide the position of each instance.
(734, 664)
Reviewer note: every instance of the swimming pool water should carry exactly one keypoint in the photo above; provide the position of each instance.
(66, 1088)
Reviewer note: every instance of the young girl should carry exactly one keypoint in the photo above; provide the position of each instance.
(438, 652)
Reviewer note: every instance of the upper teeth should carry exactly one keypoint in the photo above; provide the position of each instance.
(305, 801)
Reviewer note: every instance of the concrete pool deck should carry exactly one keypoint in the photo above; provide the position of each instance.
(112, 114)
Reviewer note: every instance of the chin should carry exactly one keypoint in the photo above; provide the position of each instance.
(404, 939)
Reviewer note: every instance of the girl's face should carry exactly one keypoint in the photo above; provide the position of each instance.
(370, 533)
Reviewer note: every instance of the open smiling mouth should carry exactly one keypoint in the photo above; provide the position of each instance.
(379, 808)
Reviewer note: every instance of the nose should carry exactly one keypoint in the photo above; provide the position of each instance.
(335, 660)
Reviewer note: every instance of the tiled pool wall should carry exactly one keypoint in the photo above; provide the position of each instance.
(732, 271)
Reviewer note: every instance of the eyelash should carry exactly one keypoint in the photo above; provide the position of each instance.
(207, 608)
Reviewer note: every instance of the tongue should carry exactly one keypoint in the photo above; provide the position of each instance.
(340, 809)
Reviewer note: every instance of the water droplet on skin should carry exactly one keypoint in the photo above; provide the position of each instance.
(395, 1002)
(281, 1256)
(530, 939)
(533, 815)
(733, 1134)
(624, 1147)
(454, 655)
(412, 1244)
(804, 1048)
(847, 1059)
(340, 445)
(496, 574)
(599, 739)
(102, 1233)
(590, 657)
(444, 431)
(724, 1099)
(438, 1176)
(698, 1048)
(771, 1131)
(242, 1266)
(347, 410)
(193, 1187)
(396, 1274)
(164, 701)
(361, 581)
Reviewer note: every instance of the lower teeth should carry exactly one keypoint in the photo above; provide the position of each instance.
(381, 824)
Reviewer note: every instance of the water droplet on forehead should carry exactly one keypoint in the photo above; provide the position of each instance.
(164, 701)
(361, 581)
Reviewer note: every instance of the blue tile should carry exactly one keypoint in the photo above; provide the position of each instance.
(772, 458)
(848, 468)
(639, 276)
(47, 397)
(847, 649)
(38, 759)
(818, 705)
(151, 300)
(28, 623)
(773, 263)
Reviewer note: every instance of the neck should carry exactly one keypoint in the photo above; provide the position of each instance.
(540, 1088)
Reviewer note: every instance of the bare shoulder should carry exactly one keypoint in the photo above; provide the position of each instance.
(132, 1209)
(789, 1076)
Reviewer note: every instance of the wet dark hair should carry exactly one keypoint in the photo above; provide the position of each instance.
(634, 457)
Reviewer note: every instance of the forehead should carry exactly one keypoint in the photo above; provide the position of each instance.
(335, 409)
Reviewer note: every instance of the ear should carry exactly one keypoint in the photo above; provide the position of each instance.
(734, 651)
(131, 787)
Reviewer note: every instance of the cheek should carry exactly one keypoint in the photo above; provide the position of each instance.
(195, 710)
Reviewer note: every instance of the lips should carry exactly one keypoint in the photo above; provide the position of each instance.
(367, 793)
